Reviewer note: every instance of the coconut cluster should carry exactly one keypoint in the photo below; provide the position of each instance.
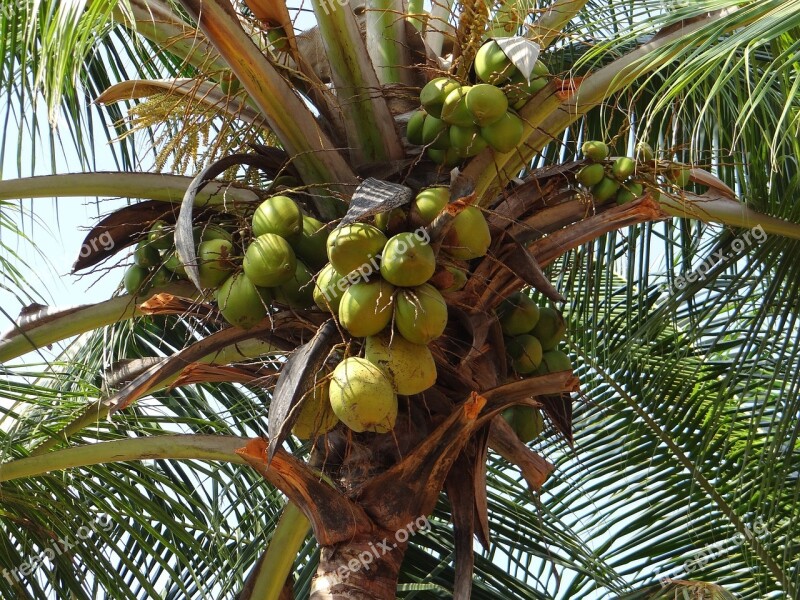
(532, 335)
(458, 121)
(384, 283)
(618, 178)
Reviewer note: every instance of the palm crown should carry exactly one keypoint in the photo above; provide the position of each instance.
(681, 331)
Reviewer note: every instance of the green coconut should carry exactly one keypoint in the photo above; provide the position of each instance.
(409, 367)
(160, 236)
(414, 127)
(316, 414)
(518, 314)
(354, 245)
(298, 291)
(366, 307)
(420, 314)
(435, 134)
(146, 256)
(486, 103)
(269, 261)
(241, 302)
(135, 279)
(279, 215)
(430, 202)
(644, 152)
(680, 176)
(446, 158)
(362, 396)
(550, 329)
(214, 262)
(526, 421)
(590, 175)
(210, 231)
(174, 264)
(595, 150)
(161, 277)
(329, 287)
(526, 353)
(469, 235)
(310, 245)
(622, 168)
(467, 141)
(492, 65)
(606, 189)
(629, 192)
(407, 260)
(520, 91)
(433, 95)
(454, 109)
(505, 134)
(554, 361)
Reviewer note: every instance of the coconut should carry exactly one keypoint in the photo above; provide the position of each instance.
(210, 231)
(526, 353)
(241, 302)
(135, 279)
(595, 150)
(269, 261)
(430, 202)
(454, 109)
(409, 367)
(420, 314)
(279, 215)
(414, 127)
(526, 421)
(329, 288)
(492, 65)
(629, 192)
(146, 256)
(407, 260)
(606, 189)
(297, 292)
(448, 278)
(390, 221)
(680, 176)
(519, 91)
(366, 308)
(434, 134)
(310, 245)
(316, 414)
(644, 152)
(468, 236)
(161, 278)
(622, 168)
(467, 141)
(505, 134)
(214, 262)
(354, 245)
(362, 396)
(554, 361)
(590, 175)
(174, 264)
(486, 103)
(160, 236)
(550, 329)
(518, 314)
(446, 158)
(434, 93)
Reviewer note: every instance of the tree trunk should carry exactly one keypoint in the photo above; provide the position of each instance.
(361, 569)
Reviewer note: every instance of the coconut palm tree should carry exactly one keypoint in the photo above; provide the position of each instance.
(152, 456)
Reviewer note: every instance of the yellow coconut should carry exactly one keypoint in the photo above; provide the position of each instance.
(407, 260)
(316, 414)
(329, 288)
(420, 314)
(366, 308)
(354, 245)
(469, 235)
(362, 397)
(410, 367)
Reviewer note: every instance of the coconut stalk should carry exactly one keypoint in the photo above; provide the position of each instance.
(114, 184)
(289, 118)
(386, 41)
(371, 134)
(550, 25)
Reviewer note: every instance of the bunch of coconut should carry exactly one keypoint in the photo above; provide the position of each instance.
(286, 249)
(532, 335)
(618, 178)
(384, 284)
(156, 263)
(458, 121)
